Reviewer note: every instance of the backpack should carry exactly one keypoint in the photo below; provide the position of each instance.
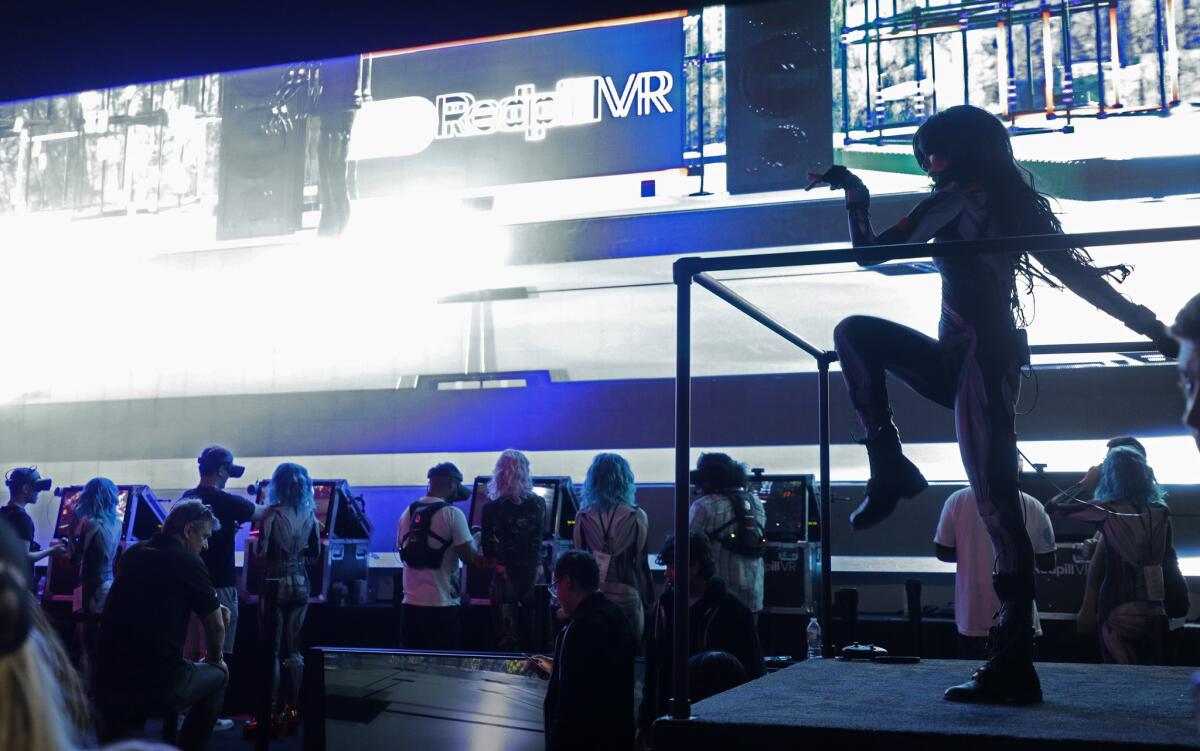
(742, 535)
(415, 550)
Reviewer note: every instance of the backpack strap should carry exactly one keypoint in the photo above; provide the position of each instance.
(427, 526)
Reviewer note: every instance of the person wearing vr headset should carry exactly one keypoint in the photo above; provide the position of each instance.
(24, 485)
(431, 612)
(216, 468)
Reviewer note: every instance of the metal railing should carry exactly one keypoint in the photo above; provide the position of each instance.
(696, 269)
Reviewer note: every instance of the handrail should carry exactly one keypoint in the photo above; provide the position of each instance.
(752, 310)
(695, 269)
(689, 266)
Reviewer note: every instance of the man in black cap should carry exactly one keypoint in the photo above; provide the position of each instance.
(431, 614)
(216, 467)
(24, 485)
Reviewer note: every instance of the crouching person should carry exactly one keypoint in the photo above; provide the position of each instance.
(140, 670)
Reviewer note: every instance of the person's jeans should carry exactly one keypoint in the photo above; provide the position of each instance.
(200, 691)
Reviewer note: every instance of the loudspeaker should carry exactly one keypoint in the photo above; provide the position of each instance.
(779, 94)
(261, 188)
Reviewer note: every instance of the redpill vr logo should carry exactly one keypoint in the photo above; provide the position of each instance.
(408, 125)
(574, 101)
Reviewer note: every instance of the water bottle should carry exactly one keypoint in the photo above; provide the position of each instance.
(814, 639)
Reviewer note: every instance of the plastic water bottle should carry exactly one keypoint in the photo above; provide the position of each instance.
(814, 639)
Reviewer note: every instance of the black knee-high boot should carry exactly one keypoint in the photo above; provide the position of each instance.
(893, 476)
(1008, 677)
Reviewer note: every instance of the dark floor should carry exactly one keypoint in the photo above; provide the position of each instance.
(231, 740)
(868, 705)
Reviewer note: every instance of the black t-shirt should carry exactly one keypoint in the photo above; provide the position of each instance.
(232, 511)
(19, 519)
(159, 584)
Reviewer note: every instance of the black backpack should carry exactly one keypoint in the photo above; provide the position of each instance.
(415, 550)
(741, 535)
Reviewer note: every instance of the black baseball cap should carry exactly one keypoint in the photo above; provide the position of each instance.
(214, 457)
(23, 475)
(445, 469)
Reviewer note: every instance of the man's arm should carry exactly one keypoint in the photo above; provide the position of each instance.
(56, 549)
(1044, 547)
(460, 536)
(944, 539)
(214, 633)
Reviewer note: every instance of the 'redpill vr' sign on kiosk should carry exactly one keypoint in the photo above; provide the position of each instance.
(548, 106)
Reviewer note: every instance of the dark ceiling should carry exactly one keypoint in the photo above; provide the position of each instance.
(50, 48)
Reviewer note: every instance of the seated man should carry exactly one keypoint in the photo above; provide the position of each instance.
(589, 702)
(140, 667)
(961, 539)
(717, 620)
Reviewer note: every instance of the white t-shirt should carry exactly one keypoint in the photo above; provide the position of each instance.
(960, 527)
(435, 587)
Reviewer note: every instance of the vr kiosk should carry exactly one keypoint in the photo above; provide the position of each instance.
(141, 516)
(792, 553)
(339, 572)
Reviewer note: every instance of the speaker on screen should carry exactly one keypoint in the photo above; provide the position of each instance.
(780, 92)
(261, 189)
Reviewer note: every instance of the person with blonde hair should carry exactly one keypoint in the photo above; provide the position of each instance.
(42, 704)
(513, 524)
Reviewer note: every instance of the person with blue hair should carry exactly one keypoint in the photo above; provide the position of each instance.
(97, 532)
(612, 527)
(1141, 584)
(288, 534)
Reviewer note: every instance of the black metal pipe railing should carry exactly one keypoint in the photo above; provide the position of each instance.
(752, 310)
(692, 265)
(695, 269)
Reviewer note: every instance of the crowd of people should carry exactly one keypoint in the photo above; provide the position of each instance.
(134, 621)
(135, 617)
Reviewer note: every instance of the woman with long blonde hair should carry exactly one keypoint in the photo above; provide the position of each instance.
(42, 704)
(513, 524)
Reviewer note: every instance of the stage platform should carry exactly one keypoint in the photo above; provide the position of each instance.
(863, 705)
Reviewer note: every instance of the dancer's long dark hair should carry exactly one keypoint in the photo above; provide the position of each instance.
(979, 151)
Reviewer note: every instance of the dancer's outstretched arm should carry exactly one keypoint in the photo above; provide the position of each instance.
(1089, 283)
